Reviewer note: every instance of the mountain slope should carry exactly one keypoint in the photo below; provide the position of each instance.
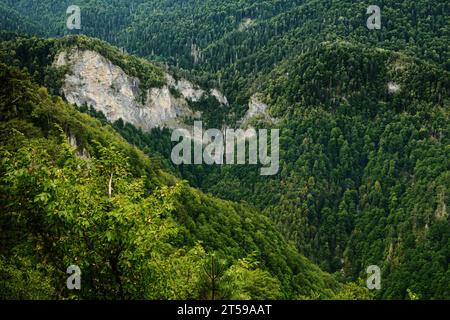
(89, 72)
(228, 43)
(136, 238)
(363, 115)
(364, 172)
(13, 21)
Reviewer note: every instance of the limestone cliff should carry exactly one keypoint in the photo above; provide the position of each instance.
(94, 80)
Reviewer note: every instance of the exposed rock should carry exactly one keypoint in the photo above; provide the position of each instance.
(81, 151)
(219, 96)
(393, 87)
(196, 53)
(245, 24)
(95, 81)
(441, 210)
(188, 90)
(257, 108)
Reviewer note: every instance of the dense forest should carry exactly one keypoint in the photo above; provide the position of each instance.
(364, 119)
(229, 43)
(73, 191)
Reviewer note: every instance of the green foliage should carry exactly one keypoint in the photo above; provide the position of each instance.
(364, 172)
(37, 56)
(245, 281)
(364, 118)
(354, 291)
(228, 44)
(412, 295)
(14, 21)
(74, 192)
(23, 279)
(344, 199)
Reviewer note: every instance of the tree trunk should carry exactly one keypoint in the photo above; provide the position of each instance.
(110, 185)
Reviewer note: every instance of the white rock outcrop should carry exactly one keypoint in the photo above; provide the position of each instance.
(393, 87)
(94, 80)
(219, 97)
(186, 89)
(256, 108)
(245, 24)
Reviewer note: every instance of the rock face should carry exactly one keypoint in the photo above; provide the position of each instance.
(186, 89)
(256, 108)
(81, 152)
(95, 81)
(245, 24)
(393, 87)
(219, 96)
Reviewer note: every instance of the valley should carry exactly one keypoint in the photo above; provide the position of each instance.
(363, 173)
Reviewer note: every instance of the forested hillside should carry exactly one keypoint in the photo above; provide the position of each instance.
(228, 43)
(364, 179)
(74, 192)
(365, 173)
